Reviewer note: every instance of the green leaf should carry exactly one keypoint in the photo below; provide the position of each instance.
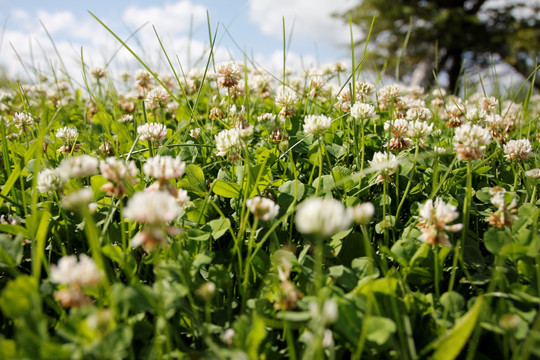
(292, 188)
(193, 180)
(379, 329)
(294, 316)
(226, 189)
(449, 345)
(453, 302)
(20, 297)
(494, 240)
(10, 251)
(15, 230)
(219, 227)
(327, 184)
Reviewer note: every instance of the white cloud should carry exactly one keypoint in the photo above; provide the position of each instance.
(312, 19)
(171, 18)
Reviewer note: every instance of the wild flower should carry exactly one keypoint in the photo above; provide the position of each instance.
(362, 213)
(49, 180)
(153, 132)
(98, 72)
(504, 216)
(286, 98)
(389, 96)
(76, 275)
(70, 271)
(78, 166)
(195, 133)
(143, 79)
(317, 125)
(68, 135)
(533, 173)
(399, 129)
(262, 208)
(418, 114)
(125, 118)
(360, 111)
(322, 216)
(419, 130)
(119, 173)
(434, 219)
(157, 98)
(228, 74)
(155, 210)
(470, 141)
(384, 162)
(23, 120)
(79, 200)
(229, 144)
(164, 168)
(517, 149)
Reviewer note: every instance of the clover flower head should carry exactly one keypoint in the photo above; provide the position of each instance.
(322, 216)
(434, 219)
(262, 208)
(317, 124)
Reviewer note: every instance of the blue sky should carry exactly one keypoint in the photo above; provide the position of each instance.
(254, 25)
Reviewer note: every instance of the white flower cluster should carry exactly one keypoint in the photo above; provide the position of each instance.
(152, 132)
(362, 213)
(317, 124)
(322, 216)
(164, 168)
(23, 120)
(229, 143)
(151, 208)
(119, 173)
(517, 149)
(470, 141)
(68, 135)
(262, 208)
(384, 162)
(157, 98)
(360, 111)
(78, 166)
(433, 222)
(49, 180)
(81, 273)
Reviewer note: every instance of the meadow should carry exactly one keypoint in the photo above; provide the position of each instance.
(226, 212)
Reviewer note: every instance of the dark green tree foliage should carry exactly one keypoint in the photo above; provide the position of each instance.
(443, 33)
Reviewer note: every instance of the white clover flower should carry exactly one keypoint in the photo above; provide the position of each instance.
(98, 72)
(286, 97)
(361, 111)
(78, 166)
(433, 222)
(475, 114)
(362, 213)
(81, 273)
(518, 149)
(262, 208)
(125, 118)
(363, 90)
(471, 141)
(322, 216)
(79, 199)
(505, 214)
(228, 74)
(229, 143)
(182, 197)
(23, 120)
(418, 114)
(317, 124)
(143, 79)
(439, 150)
(151, 208)
(152, 132)
(49, 180)
(164, 168)
(419, 129)
(118, 171)
(195, 133)
(67, 134)
(384, 162)
(157, 98)
(533, 173)
(228, 337)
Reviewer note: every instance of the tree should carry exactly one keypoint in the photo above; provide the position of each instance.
(442, 36)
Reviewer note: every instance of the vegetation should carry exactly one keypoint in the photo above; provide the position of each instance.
(223, 212)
